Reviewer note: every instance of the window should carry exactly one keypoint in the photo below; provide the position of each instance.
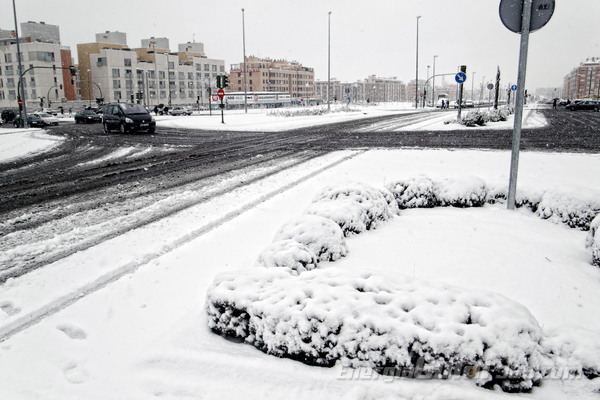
(171, 85)
(116, 84)
(198, 67)
(9, 69)
(101, 62)
(116, 73)
(190, 75)
(171, 75)
(214, 68)
(152, 75)
(127, 62)
(128, 73)
(171, 65)
(10, 82)
(182, 94)
(12, 95)
(161, 74)
(181, 85)
(190, 85)
(117, 95)
(33, 94)
(181, 75)
(161, 85)
(222, 68)
(32, 81)
(198, 76)
(163, 94)
(31, 70)
(152, 94)
(191, 94)
(45, 56)
(1, 84)
(206, 67)
(129, 84)
(2, 95)
(8, 57)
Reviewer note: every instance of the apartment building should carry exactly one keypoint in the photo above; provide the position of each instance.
(583, 81)
(150, 74)
(41, 49)
(373, 89)
(268, 75)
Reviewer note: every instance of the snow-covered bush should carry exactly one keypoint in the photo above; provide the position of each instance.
(527, 196)
(415, 192)
(390, 200)
(354, 206)
(474, 118)
(593, 240)
(573, 350)
(321, 235)
(460, 191)
(573, 205)
(386, 322)
(499, 115)
(288, 254)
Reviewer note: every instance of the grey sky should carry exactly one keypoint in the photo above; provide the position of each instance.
(367, 37)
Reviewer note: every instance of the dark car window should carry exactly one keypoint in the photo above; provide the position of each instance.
(133, 108)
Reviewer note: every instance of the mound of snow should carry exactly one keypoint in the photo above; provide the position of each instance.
(379, 321)
(288, 254)
(573, 205)
(415, 192)
(574, 350)
(527, 196)
(593, 240)
(321, 235)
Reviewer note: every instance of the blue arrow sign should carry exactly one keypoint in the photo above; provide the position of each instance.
(460, 77)
(513, 87)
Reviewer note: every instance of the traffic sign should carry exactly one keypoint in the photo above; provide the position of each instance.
(221, 93)
(421, 94)
(490, 86)
(511, 12)
(460, 77)
(513, 87)
(20, 102)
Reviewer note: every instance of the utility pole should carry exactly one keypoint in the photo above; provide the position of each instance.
(21, 93)
(417, 68)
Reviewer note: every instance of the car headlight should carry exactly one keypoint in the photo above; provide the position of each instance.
(129, 121)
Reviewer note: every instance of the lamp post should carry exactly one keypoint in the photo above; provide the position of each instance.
(244, 49)
(481, 94)
(417, 68)
(156, 89)
(425, 91)
(472, 82)
(328, 61)
(90, 86)
(20, 95)
(433, 84)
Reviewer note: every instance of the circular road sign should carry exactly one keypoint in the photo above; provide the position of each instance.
(490, 86)
(20, 102)
(421, 94)
(513, 87)
(221, 93)
(461, 77)
(215, 98)
(511, 12)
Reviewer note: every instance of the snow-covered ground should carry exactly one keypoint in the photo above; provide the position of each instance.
(127, 319)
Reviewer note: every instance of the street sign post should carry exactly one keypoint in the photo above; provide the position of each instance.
(513, 88)
(533, 15)
(460, 78)
(490, 86)
(221, 94)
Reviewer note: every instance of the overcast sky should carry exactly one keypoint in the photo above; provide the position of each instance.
(367, 36)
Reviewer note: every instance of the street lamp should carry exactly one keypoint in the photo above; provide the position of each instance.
(90, 86)
(481, 94)
(417, 68)
(21, 94)
(472, 82)
(156, 89)
(433, 84)
(244, 47)
(425, 94)
(328, 61)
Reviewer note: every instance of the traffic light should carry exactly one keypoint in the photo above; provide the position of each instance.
(225, 82)
(219, 82)
(72, 70)
(463, 69)
(54, 68)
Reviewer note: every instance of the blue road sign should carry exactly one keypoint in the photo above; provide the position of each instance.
(513, 87)
(461, 77)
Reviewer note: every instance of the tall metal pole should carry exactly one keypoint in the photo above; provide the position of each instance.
(514, 163)
(22, 92)
(433, 85)
(245, 86)
(156, 89)
(328, 61)
(472, 83)
(89, 71)
(417, 69)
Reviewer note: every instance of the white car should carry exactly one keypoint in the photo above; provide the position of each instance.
(180, 111)
(48, 118)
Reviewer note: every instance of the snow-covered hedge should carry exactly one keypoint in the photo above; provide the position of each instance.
(573, 205)
(321, 235)
(354, 206)
(574, 351)
(475, 118)
(425, 192)
(527, 196)
(380, 321)
(288, 254)
(593, 240)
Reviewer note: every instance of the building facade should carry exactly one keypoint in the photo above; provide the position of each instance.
(45, 83)
(373, 89)
(583, 81)
(148, 75)
(268, 75)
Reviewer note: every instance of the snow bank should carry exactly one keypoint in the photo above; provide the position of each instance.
(574, 351)
(354, 206)
(572, 205)
(321, 235)
(425, 192)
(593, 240)
(386, 322)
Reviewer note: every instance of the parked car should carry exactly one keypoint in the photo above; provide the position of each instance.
(8, 115)
(126, 117)
(32, 120)
(49, 118)
(86, 117)
(584, 105)
(49, 111)
(469, 104)
(180, 111)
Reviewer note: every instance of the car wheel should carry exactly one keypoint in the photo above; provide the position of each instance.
(151, 130)
(596, 109)
(122, 128)
(106, 129)
(76, 121)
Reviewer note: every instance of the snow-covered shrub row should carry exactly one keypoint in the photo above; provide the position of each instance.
(321, 235)
(425, 192)
(354, 206)
(573, 205)
(308, 111)
(288, 254)
(593, 240)
(574, 350)
(527, 196)
(499, 115)
(473, 118)
(381, 321)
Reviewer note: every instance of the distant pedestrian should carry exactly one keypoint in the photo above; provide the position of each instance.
(70, 111)
(568, 101)
(443, 104)
(155, 110)
(554, 104)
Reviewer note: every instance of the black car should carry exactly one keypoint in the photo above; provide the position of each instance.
(32, 120)
(127, 117)
(584, 105)
(8, 115)
(87, 116)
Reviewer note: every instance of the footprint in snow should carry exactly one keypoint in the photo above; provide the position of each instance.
(72, 331)
(75, 373)
(9, 308)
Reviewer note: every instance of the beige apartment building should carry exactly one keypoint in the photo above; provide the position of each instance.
(583, 81)
(268, 75)
(373, 89)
